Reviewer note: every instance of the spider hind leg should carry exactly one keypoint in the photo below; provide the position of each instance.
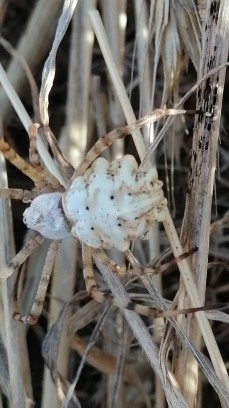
(38, 303)
(21, 256)
(95, 293)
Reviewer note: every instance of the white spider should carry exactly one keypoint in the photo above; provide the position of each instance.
(106, 205)
(109, 206)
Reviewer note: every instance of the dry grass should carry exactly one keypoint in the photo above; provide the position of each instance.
(99, 75)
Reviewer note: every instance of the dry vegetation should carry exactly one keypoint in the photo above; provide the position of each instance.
(140, 56)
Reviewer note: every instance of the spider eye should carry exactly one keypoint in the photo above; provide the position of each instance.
(32, 219)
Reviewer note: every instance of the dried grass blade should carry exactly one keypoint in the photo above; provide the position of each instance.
(26, 121)
(115, 22)
(77, 126)
(204, 363)
(172, 393)
(48, 73)
(90, 344)
(116, 80)
(189, 28)
(119, 349)
(23, 63)
(143, 60)
(50, 352)
(84, 316)
(158, 20)
(32, 45)
(4, 371)
(61, 291)
(218, 316)
(106, 363)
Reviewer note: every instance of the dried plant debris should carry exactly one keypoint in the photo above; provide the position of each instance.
(115, 311)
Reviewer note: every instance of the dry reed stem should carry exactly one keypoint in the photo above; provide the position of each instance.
(168, 223)
(17, 389)
(195, 300)
(196, 226)
(14, 340)
(117, 82)
(114, 15)
(27, 71)
(144, 55)
(115, 21)
(111, 113)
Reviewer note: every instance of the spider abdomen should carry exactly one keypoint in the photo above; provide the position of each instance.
(113, 203)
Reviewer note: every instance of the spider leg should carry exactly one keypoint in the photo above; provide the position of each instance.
(40, 178)
(33, 153)
(62, 161)
(105, 141)
(36, 310)
(160, 268)
(154, 313)
(35, 158)
(22, 255)
(122, 271)
(89, 278)
(14, 158)
(106, 298)
(113, 266)
(140, 270)
(18, 194)
(88, 274)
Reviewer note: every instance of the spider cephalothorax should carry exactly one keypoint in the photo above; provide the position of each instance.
(45, 215)
(109, 206)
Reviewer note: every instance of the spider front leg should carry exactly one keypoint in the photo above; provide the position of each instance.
(35, 158)
(40, 177)
(105, 141)
(33, 153)
(63, 163)
(18, 162)
(36, 310)
(18, 194)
